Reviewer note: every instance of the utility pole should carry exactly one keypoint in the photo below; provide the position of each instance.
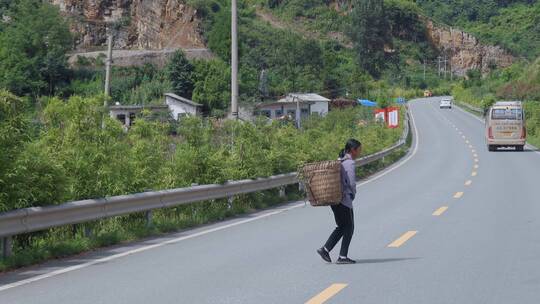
(108, 68)
(439, 66)
(445, 60)
(451, 73)
(234, 60)
(298, 113)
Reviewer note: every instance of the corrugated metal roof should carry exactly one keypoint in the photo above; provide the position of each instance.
(312, 97)
(182, 99)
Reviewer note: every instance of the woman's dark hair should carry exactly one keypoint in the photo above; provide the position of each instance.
(350, 145)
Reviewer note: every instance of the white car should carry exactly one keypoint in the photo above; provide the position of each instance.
(445, 103)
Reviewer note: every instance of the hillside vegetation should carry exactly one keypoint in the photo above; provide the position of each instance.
(513, 24)
(311, 49)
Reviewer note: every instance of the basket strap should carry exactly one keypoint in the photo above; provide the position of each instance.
(311, 192)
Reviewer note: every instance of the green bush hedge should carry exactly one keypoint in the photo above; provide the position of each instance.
(81, 153)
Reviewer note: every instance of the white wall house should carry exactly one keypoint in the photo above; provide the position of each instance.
(180, 106)
(275, 110)
(177, 106)
(127, 114)
(318, 103)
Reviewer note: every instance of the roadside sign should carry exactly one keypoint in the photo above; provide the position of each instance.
(389, 115)
(380, 115)
(393, 117)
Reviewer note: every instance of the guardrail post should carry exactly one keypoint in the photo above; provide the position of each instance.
(7, 243)
(230, 199)
(282, 193)
(148, 216)
(87, 231)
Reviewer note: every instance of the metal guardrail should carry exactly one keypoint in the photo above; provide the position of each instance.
(40, 218)
(471, 108)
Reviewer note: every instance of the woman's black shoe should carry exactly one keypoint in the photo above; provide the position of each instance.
(343, 261)
(324, 255)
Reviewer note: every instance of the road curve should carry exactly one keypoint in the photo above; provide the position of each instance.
(452, 224)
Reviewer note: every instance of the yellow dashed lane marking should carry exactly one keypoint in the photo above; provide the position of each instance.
(402, 239)
(468, 183)
(458, 195)
(440, 211)
(326, 294)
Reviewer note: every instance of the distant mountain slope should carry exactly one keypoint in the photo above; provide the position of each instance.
(513, 24)
(414, 36)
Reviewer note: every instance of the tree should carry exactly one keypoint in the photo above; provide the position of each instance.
(330, 72)
(212, 84)
(33, 47)
(369, 32)
(28, 175)
(473, 78)
(180, 73)
(263, 84)
(13, 135)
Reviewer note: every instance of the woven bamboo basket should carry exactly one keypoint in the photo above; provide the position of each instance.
(323, 182)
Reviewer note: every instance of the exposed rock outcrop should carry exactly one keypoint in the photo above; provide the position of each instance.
(465, 52)
(139, 24)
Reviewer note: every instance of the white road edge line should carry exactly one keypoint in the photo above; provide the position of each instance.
(176, 240)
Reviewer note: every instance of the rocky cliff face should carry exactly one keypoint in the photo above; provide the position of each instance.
(465, 52)
(139, 24)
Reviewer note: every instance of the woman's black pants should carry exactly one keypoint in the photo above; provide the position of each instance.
(345, 228)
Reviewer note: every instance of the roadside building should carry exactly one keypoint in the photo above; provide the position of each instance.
(318, 104)
(309, 104)
(180, 106)
(175, 107)
(276, 110)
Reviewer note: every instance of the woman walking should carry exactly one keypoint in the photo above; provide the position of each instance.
(343, 212)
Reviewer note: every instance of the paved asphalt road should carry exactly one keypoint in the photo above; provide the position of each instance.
(484, 248)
